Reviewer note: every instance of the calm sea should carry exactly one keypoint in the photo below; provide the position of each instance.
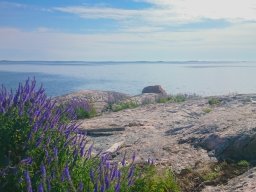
(203, 78)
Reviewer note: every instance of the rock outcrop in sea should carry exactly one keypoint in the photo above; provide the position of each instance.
(154, 89)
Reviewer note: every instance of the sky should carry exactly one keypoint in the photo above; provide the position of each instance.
(128, 30)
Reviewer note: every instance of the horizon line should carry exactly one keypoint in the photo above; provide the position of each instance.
(126, 61)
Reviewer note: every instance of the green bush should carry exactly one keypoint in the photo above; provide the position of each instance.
(210, 176)
(154, 180)
(214, 101)
(172, 99)
(81, 113)
(207, 110)
(243, 163)
(41, 151)
(124, 105)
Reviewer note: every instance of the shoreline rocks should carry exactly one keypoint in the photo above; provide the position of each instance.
(181, 135)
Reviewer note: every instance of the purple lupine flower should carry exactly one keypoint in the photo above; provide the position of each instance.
(26, 161)
(90, 151)
(118, 174)
(96, 186)
(69, 140)
(48, 140)
(48, 185)
(39, 141)
(108, 165)
(130, 182)
(55, 151)
(81, 186)
(131, 171)
(133, 157)
(150, 161)
(28, 181)
(117, 187)
(43, 115)
(43, 171)
(92, 175)
(40, 188)
(46, 154)
(84, 141)
(123, 160)
(114, 171)
(75, 153)
(63, 177)
(82, 151)
(107, 184)
(102, 188)
(66, 171)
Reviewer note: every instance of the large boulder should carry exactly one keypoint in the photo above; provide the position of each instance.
(154, 89)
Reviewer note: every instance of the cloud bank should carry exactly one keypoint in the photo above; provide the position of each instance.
(163, 30)
(176, 11)
(211, 44)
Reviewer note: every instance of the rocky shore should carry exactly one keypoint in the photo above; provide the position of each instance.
(182, 135)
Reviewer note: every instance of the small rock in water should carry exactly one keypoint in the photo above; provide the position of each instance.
(154, 89)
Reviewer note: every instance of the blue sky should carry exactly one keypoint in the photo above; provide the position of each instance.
(125, 30)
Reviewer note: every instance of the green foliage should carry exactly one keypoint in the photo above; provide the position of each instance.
(172, 99)
(13, 132)
(155, 181)
(81, 113)
(207, 110)
(210, 176)
(214, 101)
(124, 105)
(41, 151)
(243, 163)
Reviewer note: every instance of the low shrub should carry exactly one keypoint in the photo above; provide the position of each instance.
(172, 99)
(124, 105)
(243, 163)
(41, 151)
(82, 109)
(214, 101)
(154, 180)
(207, 110)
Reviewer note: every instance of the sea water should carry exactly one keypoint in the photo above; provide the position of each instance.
(194, 77)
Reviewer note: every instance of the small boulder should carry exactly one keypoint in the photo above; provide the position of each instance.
(154, 89)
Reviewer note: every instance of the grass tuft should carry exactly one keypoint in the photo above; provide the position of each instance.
(207, 110)
(124, 105)
(172, 99)
(214, 101)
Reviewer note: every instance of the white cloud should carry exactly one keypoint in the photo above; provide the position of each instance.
(100, 12)
(164, 12)
(236, 42)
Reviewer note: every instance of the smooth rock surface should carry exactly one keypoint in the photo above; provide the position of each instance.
(182, 134)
